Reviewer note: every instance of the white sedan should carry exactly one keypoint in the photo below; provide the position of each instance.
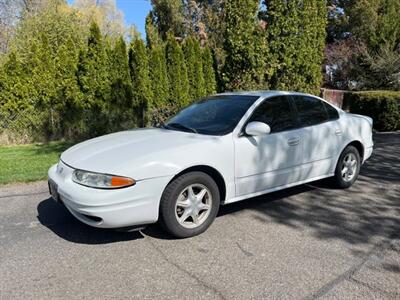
(222, 149)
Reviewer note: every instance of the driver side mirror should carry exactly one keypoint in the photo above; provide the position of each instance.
(257, 129)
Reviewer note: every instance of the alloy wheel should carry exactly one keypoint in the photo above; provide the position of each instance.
(349, 167)
(193, 206)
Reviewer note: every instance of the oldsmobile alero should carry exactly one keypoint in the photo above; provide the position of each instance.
(222, 149)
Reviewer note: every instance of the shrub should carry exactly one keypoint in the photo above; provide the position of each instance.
(158, 115)
(382, 106)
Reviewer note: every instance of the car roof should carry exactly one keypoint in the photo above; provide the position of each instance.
(265, 94)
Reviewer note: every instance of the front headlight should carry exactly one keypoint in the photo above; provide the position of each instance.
(101, 181)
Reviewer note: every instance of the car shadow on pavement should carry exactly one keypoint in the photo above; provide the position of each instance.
(367, 212)
(385, 161)
(60, 221)
(269, 199)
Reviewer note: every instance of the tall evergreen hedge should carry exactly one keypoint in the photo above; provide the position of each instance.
(139, 70)
(209, 73)
(93, 79)
(296, 38)
(194, 64)
(177, 73)
(242, 70)
(120, 105)
(63, 79)
(159, 75)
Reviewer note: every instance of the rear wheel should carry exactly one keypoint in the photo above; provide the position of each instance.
(189, 204)
(347, 168)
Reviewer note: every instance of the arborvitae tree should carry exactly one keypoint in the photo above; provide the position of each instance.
(198, 70)
(313, 16)
(177, 73)
(168, 17)
(208, 71)
(376, 23)
(152, 35)
(188, 52)
(47, 42)
(139, 67)
(94, 81)
(243, 66)
(194, 64)
(283, 25)
(14, 86)
(120, 106)
(296, 37)
(159, 75)
(68, 91)
(42, 75)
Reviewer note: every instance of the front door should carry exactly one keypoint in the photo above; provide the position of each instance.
(264, 162)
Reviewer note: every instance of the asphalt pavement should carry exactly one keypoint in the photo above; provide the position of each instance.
(307, 242)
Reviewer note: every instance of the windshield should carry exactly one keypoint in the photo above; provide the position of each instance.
(216, 115)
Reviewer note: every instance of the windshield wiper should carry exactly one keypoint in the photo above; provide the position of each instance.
(179, 126)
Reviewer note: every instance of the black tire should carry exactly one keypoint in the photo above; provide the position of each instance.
(338, 179)
(168, 214)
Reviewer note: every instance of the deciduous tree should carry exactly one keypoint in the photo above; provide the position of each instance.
(105, 13)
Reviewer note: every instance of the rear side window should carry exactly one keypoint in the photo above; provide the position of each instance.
(276, 113)
(332, 112)
(311, 111)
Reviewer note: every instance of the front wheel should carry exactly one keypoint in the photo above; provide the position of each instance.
(189, 204)
(347, 168)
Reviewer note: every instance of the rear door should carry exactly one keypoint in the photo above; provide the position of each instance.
(265, 162)
(321, 134)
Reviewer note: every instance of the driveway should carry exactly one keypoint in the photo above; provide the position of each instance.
(307, 242)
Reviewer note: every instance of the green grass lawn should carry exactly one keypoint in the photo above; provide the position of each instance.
(24, 163)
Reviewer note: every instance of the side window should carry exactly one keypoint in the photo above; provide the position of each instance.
(276, 113)
(332, 112)
(311, 111)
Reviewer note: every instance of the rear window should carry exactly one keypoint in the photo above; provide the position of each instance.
(311, 111)
(332, 112)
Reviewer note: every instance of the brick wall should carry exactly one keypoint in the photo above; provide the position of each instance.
(335, 97)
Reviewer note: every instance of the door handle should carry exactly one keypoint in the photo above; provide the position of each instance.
(293, 141)
(338, 132)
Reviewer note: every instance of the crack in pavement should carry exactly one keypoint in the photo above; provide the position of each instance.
(245, 252)
(23, 195)
(373, 288)
(347, 275)
(191, 275)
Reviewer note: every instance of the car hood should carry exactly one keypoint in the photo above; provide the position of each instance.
(140, 153)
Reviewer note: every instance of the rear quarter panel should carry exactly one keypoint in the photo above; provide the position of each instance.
(356, 128)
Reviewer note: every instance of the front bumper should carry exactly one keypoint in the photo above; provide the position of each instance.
(116, 208)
